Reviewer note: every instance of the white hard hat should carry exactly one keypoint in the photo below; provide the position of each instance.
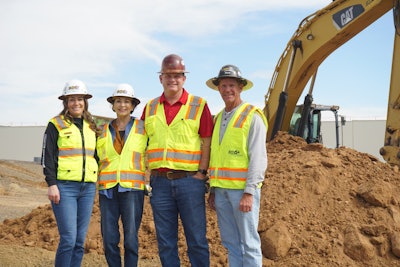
(74, 87)
(124, 90)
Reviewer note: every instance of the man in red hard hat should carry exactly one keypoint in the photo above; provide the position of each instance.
(179, 126)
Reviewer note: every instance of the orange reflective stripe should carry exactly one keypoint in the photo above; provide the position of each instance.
(183, 156)
(140, 127)
(153, 106)
(228, 178)
(155, 154)
(232, 174)
(60, 123)
(104, 132)
(241, 119)
(108, 176)
(136, 161)
(133, 177)
(174, 155)
(129, 174)
(194, 107)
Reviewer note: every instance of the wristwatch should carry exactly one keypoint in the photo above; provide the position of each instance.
(202, 171)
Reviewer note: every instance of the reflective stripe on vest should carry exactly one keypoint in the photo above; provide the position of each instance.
(192, 112)
(153, 105)
(128, 179)
(127, 168)
(241, 119)
(60, 123)
(175, 146)
(230, 174)
(70, 152)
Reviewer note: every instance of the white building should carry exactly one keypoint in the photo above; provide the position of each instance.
(21, 142)
(362, 135)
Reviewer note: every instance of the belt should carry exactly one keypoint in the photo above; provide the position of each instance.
(173, 175)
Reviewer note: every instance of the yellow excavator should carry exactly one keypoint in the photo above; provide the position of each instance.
(317, 36)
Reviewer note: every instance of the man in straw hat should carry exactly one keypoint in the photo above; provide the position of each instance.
(238, 162)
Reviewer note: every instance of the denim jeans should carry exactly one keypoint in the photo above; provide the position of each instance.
(73, 217)
(183, 197)
(239, 229)
(128, 206)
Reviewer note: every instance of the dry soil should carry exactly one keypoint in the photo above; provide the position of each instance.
(320, 207)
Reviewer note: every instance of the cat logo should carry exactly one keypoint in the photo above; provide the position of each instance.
(347, 15)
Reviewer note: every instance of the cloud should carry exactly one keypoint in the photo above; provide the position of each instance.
(47, 42)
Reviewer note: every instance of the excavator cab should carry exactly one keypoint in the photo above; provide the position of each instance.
(312, 129)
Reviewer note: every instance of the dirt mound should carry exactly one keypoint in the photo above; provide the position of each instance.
(320, 207)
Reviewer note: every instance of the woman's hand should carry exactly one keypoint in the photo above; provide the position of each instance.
(53, 194)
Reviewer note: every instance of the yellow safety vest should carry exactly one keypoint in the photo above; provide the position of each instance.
(75, 159)
(175, 146)
(127, 168)
(229, 160)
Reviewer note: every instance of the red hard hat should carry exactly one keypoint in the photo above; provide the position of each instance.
(173, 64)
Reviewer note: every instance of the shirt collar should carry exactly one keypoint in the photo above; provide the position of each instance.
(182, 100)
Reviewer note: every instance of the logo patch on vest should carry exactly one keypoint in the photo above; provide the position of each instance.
(234, 152)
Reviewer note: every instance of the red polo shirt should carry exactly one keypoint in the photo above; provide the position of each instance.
(206, 122)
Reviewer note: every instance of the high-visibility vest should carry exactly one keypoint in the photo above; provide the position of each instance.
(229, 160)
(175, 146)
(127, 168)
(76, 150)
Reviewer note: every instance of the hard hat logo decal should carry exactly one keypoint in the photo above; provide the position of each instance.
(124, 90)
(120, 91)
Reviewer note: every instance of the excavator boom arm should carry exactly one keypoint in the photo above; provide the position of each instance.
(391, 149)
(319, 35)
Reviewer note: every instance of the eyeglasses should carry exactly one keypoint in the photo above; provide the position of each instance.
(173, 76)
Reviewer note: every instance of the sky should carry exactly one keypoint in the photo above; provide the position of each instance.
(45, 43)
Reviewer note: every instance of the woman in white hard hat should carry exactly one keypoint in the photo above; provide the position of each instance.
(71, 171)
(120, 149)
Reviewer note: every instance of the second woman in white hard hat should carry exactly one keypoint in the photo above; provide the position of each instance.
(121, 148)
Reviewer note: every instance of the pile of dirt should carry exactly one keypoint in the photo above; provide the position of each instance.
(320, 207)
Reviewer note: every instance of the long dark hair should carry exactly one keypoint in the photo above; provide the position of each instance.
(87, 116)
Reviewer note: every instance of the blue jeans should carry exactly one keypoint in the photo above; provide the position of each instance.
(183, 197)
(128, 206)
(73, 217)
(239, 229)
